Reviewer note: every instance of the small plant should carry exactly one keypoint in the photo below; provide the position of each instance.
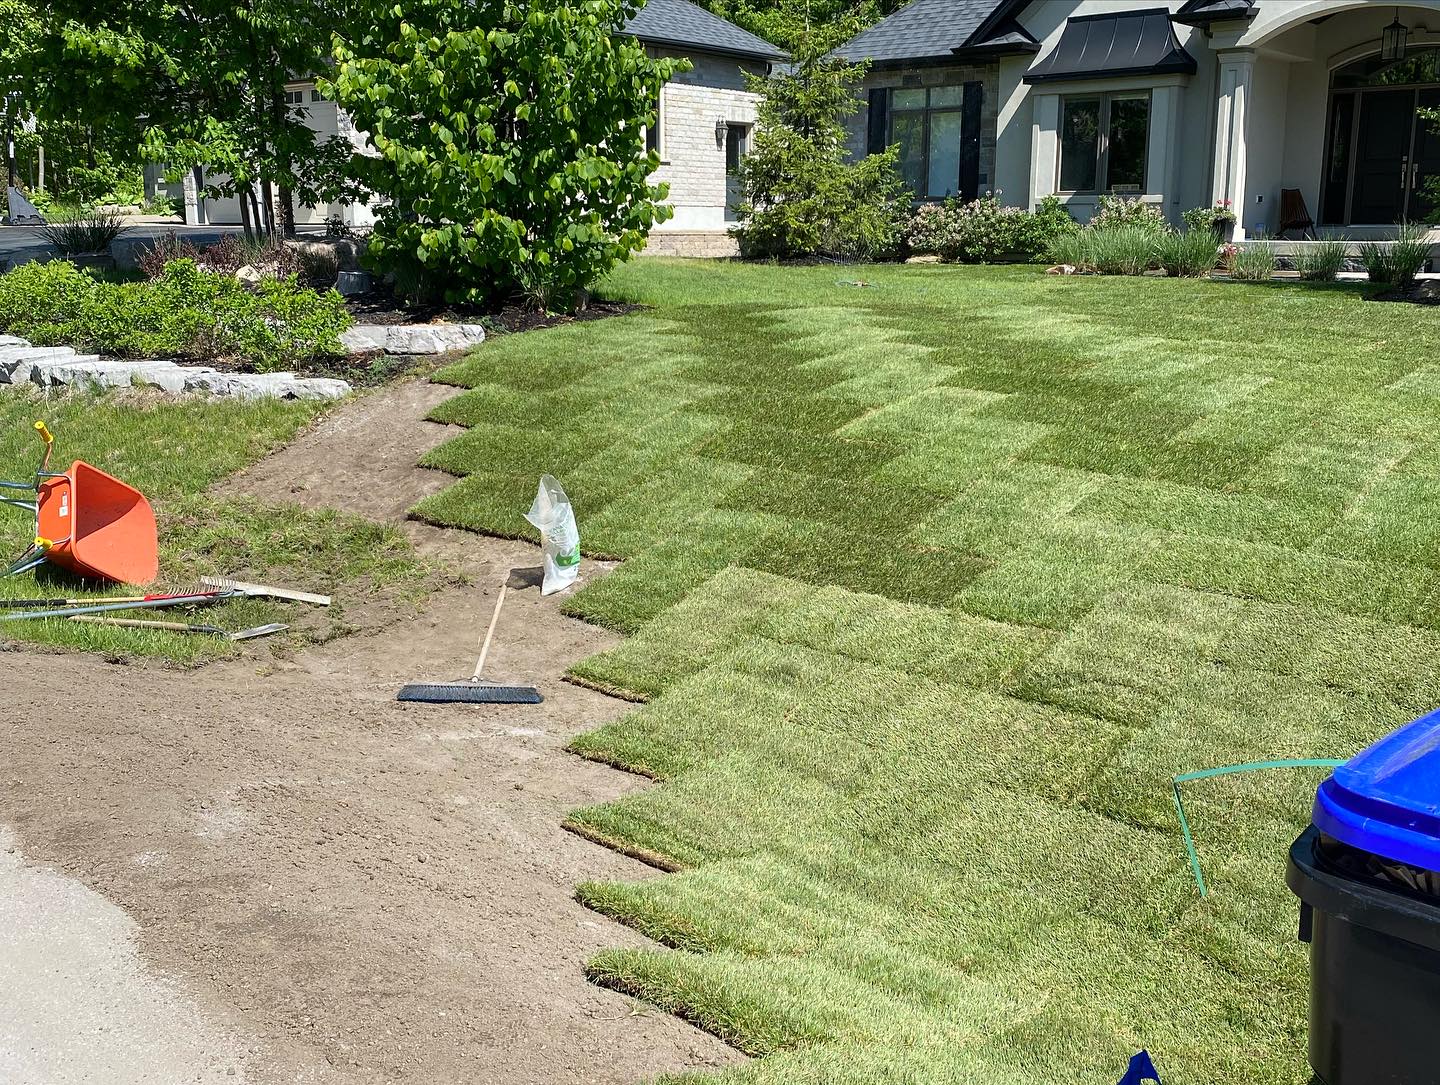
(1322, 261)
(168, 206)
(319, 263)
(271, 256)
(78, 233)
(1187, 254)
(163, 250)
(1253, 263)
(1409, 253)
(1217, 218)
(1119, 211)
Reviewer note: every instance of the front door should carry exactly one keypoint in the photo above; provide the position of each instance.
(1425, 161)
(1382, 158)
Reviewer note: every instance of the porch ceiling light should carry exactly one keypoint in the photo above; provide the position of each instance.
(1392, 40)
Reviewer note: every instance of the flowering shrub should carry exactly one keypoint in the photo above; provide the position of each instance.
(983, 231)
(1217, 218)
(1118, 211)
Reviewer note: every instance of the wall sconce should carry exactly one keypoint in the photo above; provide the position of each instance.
(1392, 40)
(720, 129)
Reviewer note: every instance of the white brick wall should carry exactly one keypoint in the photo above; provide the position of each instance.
(692, 158)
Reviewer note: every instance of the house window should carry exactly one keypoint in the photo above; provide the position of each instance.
(927, 123)
(1103, 142)
(294, 97)
(653, 132)
(315, 96)
(737, 146)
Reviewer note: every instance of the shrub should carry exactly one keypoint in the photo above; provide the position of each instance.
(982, 231)
(185, 312)
(269, 254)
(802, 198)
(163, 250)
(1253, 263)
(1409, 253)
(1187, 254)
(82, 232)
(1125, 249)
(1119, 211)
(510, 143)
(1322, 261)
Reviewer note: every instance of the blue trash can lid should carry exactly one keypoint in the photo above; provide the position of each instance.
(1386, 799)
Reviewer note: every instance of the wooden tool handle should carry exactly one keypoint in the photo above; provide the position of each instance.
(494, 620)
(134, 623)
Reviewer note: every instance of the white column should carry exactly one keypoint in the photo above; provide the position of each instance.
(1044, 148)
(1236, 82)
(1162, 155)
(193, 205)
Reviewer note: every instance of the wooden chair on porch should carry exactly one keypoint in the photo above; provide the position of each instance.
(1294, 215)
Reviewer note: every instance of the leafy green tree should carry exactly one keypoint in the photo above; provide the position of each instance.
(510, 138)
(792, 23)
(802, 198)
(201, 83)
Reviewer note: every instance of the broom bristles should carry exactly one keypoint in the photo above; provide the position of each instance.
(468, 693)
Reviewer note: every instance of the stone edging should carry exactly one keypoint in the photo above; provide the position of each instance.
(411, 338)
(51, 367)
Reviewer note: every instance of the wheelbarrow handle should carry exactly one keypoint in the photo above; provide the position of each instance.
(49, 438)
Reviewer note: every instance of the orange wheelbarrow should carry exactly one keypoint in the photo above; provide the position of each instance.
(87, 522)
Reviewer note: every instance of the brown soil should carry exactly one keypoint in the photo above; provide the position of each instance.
(364, 890)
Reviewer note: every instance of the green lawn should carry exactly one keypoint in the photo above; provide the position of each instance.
(933, 585)
(173, 450)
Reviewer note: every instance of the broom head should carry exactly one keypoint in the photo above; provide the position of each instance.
(468, 692)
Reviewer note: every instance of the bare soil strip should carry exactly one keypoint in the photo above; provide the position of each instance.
(360, 889)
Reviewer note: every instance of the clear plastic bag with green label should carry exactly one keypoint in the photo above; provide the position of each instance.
(554, 516)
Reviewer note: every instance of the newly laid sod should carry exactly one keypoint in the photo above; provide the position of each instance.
(173, 450)
(933, 585)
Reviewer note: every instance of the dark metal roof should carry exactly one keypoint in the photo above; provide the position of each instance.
(1204, 12)
(1114, 43)
(682, 25)
(924, 30)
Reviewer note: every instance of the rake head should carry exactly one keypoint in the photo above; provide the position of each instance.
(468, 692)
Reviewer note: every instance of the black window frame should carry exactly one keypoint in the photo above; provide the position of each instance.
(1102, 141)
(926, 112)
(742, 146)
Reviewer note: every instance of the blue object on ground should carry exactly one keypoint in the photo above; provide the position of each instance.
(1386, 799)
(1141, 1069)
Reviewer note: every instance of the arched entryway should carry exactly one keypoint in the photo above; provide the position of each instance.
(1382, 156)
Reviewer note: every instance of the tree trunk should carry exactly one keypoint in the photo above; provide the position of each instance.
(267, 193)
(246, 222)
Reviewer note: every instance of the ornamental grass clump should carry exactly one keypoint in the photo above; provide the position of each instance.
(1188, 254)
(1125, 249)
(1322, 261)
(84, 232)
(1255, 262)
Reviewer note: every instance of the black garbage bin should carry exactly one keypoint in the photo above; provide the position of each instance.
(1368, 877)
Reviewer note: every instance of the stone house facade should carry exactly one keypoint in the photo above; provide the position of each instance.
(1301, 116)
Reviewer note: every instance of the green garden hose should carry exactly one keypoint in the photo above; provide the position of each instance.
(1228, 770)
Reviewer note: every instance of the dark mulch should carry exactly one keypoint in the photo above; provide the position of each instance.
(382, 307)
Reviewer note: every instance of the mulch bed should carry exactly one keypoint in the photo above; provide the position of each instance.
(382, 307)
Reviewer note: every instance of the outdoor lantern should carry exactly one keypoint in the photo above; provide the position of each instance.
(720, 129)
(1392, 40)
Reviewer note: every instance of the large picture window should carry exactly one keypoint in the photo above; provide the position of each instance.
(1103, 142)
(928, 123)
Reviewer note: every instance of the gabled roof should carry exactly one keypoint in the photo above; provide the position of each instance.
(1203, 12)
(681, 25)
(941, 30)
(1114, 43)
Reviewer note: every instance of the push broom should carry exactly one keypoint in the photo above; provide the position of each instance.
(473, 690)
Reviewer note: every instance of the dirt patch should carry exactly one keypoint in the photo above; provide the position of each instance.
(371, 890)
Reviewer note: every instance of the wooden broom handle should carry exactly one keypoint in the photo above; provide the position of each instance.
(494, 621)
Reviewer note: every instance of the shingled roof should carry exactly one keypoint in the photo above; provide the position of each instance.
(681, 25)
(933, 31)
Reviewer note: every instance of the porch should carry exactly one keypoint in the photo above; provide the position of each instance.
(1309, 99)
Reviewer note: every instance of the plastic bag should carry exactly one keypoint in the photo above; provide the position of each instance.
(553, 514)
